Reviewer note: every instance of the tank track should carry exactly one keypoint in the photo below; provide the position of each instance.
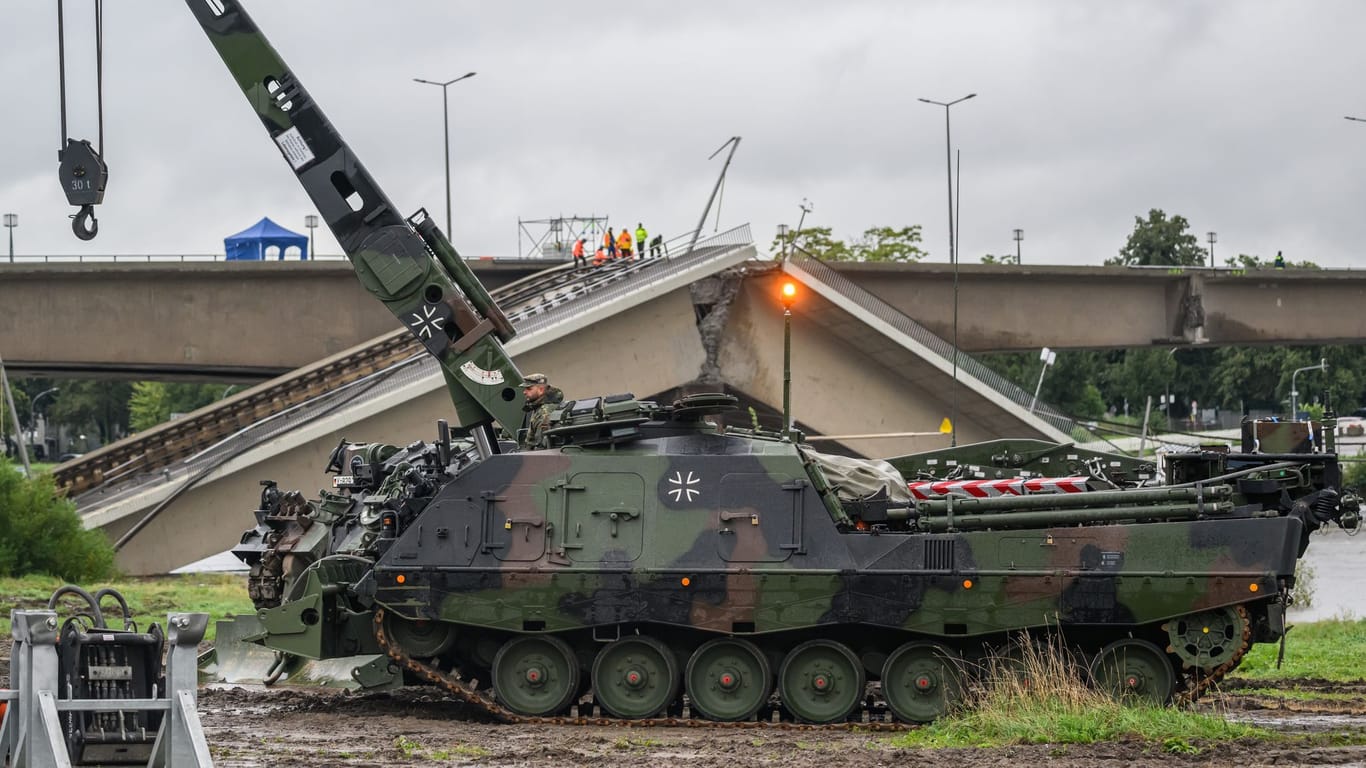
(490, 707)
(486, 704)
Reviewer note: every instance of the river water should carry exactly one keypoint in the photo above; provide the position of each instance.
(1339, 581)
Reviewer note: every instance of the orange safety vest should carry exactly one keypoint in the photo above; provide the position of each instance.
(607, 241)
(624, 241)
(578, 249)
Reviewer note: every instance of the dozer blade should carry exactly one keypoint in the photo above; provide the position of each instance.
(235, 658)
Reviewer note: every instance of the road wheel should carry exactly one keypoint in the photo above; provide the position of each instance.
(821, 681)
(535, 675)
(728, 679)
(1134, 671)
(921, 681)
(635, 677)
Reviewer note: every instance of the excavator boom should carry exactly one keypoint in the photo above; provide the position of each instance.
(407, 263)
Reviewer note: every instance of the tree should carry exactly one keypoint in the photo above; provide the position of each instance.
(1008, 258)
(148, 405)
(153, 402)
(43, 533)
(879, 244)
(98, 405)
(1160, 241)
(887, 244)
(816, 241)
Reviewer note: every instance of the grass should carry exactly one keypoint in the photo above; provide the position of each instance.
(1048, 703)
(149, 598)
(1311, 650)
(412, 748)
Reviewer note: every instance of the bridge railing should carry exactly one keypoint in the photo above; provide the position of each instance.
(966, 363)
(637, 275)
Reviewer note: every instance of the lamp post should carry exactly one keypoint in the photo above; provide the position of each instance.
(446, 122)
(1213, 238)
(11, 221)
(33, 415)
(953, 253)
(782, 241)
(1019, 235)
(1294, 387)
(789, 295)
(1048, 357)
(311, 221)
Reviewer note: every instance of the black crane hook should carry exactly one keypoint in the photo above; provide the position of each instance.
(84, 223)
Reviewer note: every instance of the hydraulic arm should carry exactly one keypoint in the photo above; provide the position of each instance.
(407, 263)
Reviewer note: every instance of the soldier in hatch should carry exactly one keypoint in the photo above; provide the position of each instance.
(541, 401)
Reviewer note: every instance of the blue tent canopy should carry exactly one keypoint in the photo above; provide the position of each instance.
(251, 243)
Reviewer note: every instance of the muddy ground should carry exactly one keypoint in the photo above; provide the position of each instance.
(260, 728)
(257, 728)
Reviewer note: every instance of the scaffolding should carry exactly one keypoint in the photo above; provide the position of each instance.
(554, 238)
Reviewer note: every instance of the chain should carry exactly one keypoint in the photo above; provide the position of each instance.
(488, 706)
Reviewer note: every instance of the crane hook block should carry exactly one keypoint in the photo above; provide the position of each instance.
(83, 175)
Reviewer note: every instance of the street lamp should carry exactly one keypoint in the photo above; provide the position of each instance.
(33, 416)
(311, 221)
(953, 253)
(1048, 357)
(11, 221)
(782, 240)
(1294, 388)
(1019, 235)
(446, 121)
(1213, 238)
(789, 295)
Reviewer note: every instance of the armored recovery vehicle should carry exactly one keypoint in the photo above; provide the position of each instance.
(641, 560)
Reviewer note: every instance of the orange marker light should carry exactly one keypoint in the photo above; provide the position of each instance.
(1252, 587)
(967, 583)
(400, 578)
(685, 581)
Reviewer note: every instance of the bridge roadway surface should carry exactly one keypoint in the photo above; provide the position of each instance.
(251, 321)
(641, 336)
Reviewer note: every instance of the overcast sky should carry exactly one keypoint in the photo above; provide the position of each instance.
(1088, 114)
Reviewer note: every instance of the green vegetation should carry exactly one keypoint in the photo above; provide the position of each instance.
(1317, 650)
(1041, 699)
(1160, 241)
(153, 402)
(150, 599)
(412, 748)
(877, 244)
(43, 533)
(635, 742)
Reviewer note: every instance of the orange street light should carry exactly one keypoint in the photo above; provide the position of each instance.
(788, 295)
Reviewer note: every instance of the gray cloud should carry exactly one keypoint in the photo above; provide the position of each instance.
(1228, 113)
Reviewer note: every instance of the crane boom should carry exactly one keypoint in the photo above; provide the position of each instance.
(407, 263)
